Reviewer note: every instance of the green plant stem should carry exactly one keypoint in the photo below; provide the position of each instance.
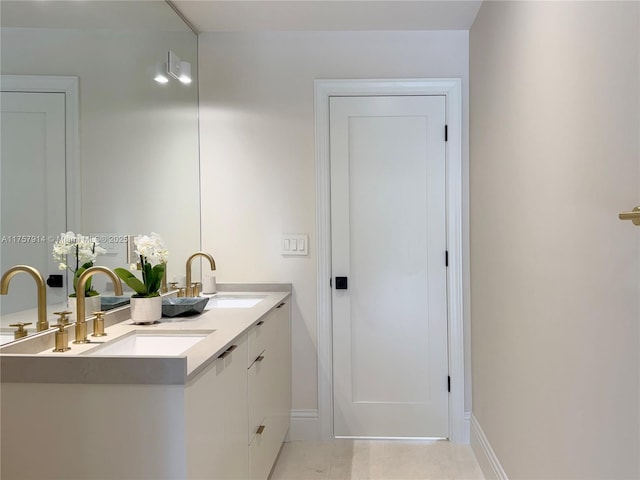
(143, 263)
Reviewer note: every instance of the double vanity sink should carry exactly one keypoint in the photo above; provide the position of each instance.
(182, 345)
(189, 397)
(168, 343)
(142, 342)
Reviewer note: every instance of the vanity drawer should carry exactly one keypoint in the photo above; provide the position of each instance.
(262, 452)
(260, 336)
(269, 390)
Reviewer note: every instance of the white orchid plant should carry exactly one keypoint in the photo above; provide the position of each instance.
(152, 255)
(84, 251)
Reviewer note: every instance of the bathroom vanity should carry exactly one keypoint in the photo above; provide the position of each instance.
(202, 397)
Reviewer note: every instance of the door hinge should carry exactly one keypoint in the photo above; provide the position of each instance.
(331, 282)
(446, 258)
(449, 384)
(446, 133)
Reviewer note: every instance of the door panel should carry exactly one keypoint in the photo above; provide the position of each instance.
(388, 238)
(33, 153)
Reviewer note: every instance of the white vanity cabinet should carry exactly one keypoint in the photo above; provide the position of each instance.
(238, 408)
(216, 407)
(193, 416)
(269, 389)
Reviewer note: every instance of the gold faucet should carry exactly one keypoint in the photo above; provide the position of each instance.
(42, 324)
(81, 323)
(206, 255)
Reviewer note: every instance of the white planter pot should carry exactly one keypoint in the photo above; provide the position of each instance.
(91, 304)
(146, 310)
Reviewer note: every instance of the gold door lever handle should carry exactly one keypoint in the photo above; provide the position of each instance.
(633, 215)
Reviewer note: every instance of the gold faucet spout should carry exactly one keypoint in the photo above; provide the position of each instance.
(81, 323)
(42, 324)
(206, 255)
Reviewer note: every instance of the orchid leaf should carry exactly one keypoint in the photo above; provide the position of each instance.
(155, 277)
(131, 280)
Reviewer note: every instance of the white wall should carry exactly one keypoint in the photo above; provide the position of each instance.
(554, 157)
(257, 149)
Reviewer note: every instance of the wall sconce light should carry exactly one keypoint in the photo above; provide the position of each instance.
(175, 68)
(178, 69)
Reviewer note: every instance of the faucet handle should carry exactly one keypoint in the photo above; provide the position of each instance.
(20, 332)
(62, 337)
(63, 317)
(98, 324)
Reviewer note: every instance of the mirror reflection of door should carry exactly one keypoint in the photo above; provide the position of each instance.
(32, 192)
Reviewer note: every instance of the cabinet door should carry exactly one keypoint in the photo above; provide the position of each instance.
(260, 336)
(282, 383)
(261, 433)
(258, 377)
(217, 418)
(270, 394)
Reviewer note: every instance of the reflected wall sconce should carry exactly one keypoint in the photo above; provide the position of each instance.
(185, 73)
(161, 73)
(173, 67)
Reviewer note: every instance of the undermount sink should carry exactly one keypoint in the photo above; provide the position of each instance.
(234, 301)
(140, 343)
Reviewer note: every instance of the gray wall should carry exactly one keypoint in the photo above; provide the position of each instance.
(554, 156)
(258, 150)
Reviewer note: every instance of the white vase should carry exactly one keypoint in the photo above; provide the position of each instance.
(91, 304)
(146, 310)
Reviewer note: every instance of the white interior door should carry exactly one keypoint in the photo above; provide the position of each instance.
(390, 361)
(33, 193)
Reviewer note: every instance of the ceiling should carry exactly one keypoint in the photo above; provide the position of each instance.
(327, 15)
(94, 14)
(244, 15)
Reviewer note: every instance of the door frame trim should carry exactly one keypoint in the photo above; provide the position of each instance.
(451, 88)
(70, 87)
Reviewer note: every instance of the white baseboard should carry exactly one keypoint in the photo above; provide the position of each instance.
(485, 455)
(466, 431)
(304, 425)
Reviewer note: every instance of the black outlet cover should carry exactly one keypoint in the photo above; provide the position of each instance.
(55, 281)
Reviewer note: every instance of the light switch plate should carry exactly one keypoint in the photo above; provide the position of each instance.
(294, 244)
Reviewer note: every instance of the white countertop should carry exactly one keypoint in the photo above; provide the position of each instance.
(32, 361)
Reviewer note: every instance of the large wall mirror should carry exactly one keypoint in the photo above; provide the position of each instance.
(128, 160)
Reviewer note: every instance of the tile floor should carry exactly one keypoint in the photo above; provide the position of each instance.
(376, 460)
